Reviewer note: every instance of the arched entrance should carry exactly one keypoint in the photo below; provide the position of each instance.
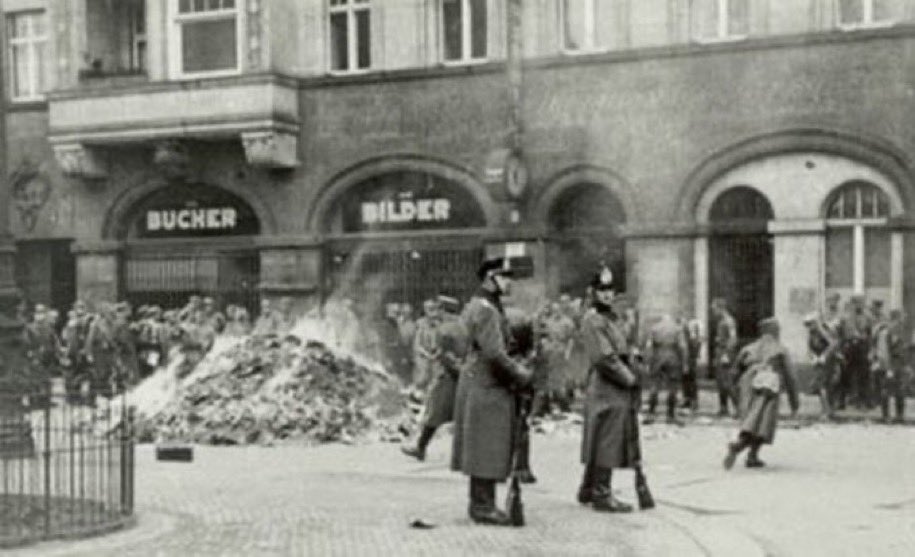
(190, 239)
(740, 256)
(585, 220)
(402, 236)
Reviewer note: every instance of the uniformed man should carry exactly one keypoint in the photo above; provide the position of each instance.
(610, 432)
(725, 348)
(101, 351)
(667, 357)
(439, 403)
(692, 330)
(891, 367)
(763, 373)
(126, 347)
(484, 412)
(426, 346)
(856, 328)
(42, 345)
(215, 318)
(557, 344)
(824, 347)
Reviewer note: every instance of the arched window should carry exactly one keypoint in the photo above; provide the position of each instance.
(857, 241)
(741, 203)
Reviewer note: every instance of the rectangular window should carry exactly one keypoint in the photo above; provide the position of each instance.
(465, 29)
(839, 258)
(137, 18)
(28, 39)
(717, 20)
(867, 13)
(350, 35)
(587, 25)
(207, 36)
(876, 257)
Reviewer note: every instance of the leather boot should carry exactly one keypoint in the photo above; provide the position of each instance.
(672, 409)
(722, 404)
(419, 451)
(585, 490)
(483, 503)
(900, 410)
(885, 410)
(734, 449)
(604, 501)
(753, 460)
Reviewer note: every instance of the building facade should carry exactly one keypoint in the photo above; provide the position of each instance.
(756, 150)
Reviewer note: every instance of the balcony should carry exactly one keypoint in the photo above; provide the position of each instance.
(260, 110)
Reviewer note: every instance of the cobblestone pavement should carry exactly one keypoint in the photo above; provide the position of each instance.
(828, 490)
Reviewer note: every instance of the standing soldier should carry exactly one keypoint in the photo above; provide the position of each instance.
(856, 328)
(101, 351)
(75, 334)
(764, 371)
(484, 411)
(693, 332)
(725, 348)
(824, 346)
(126, 347)
(610, 431)
(426, 346)
(667, 356)
(43, 345)
(557, 345)
(891, 368)
(439, 407)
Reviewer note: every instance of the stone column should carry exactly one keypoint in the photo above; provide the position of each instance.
(9, 294)
(291, 267)
(798, 259)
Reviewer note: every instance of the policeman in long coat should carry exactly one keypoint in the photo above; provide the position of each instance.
(763, 372)
(611, 435)
(439, 407)
(484, 412)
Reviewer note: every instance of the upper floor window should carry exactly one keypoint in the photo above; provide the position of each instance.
(137, 21)
(582, 23)
(205, 37)
(865, 13)
(859, 200)
(717, 20)
(858, 245)
(350, 35)
(464, 30)
(28, 40)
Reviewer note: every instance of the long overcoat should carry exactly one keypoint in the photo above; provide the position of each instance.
(484, 410)
(759, 409)
(610, 432)
(439, 407)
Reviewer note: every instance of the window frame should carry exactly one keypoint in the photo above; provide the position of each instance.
(29, 42)
(859, 227)
(590, 11)
(466, 58)
(867, 18)
(175, 35)
(138, 62)
(722, 23)
(352, 41)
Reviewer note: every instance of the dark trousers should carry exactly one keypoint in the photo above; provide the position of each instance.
(854, 382)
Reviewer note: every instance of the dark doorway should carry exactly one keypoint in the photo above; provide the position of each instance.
(585, 221)
(740, 257)
(46, 273)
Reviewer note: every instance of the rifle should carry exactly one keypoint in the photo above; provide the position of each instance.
(646, 501)
(513, 504)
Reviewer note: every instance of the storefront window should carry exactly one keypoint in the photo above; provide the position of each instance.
(464, 30)
(857, 241)
(27, 32)
(350, 35)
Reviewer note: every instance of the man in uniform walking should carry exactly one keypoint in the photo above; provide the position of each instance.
(610, 431)
(668, 361)
(484, 412)
(725, 348)
(439, 406)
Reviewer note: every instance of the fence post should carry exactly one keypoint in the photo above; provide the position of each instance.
(47, 462)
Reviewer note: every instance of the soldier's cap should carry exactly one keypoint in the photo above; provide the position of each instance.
(40, 308)
(603, 279)
(768, 325)
(857, 298)
(448, 303)
(495, 266)
(811, 317)
(877, 303)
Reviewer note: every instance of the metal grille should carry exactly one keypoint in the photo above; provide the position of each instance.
(184, 274)
(741, 272)
(65, 469)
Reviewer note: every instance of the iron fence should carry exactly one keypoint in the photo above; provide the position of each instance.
(66, 467)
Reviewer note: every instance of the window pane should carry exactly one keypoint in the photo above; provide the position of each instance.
(738, 17)
(451, 28)
(363, 37)
(705, 18)
(574, 24)
(885, 10)
(19, 26)
(606, 19)
(478, 28)
(20, 73)
(339, 55)
(839, 258)
(184, 6)
(40, 75)
(199, 5)
(37, 21)
(867, 202)
(209, 45)
(228, 4)
(850, 204)
(851, 11)
(876, 257)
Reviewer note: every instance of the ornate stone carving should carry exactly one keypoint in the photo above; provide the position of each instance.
(271, 149)
(80, 161)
